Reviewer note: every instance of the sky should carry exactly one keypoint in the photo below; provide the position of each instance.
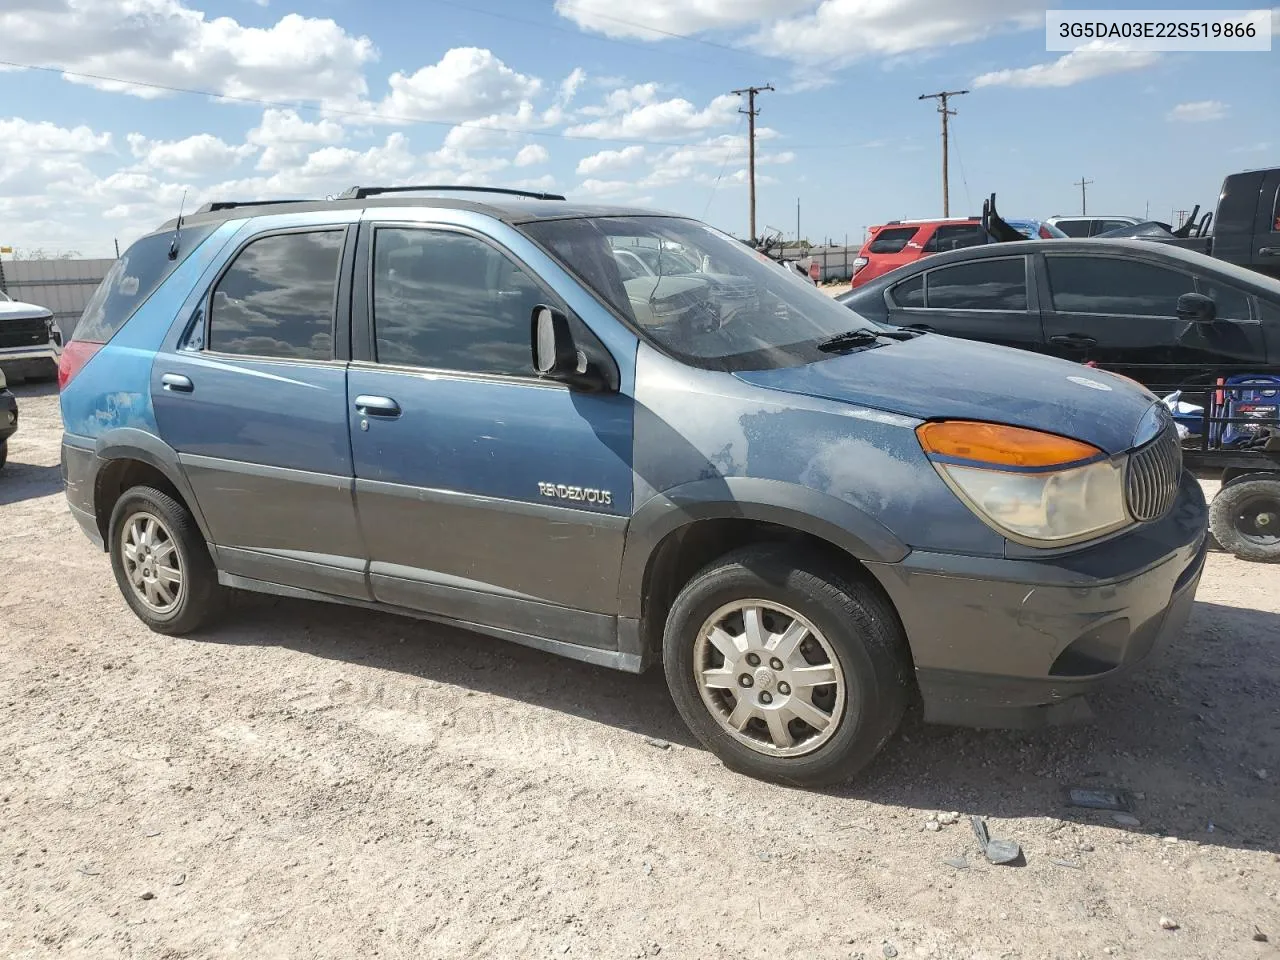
(605, 102)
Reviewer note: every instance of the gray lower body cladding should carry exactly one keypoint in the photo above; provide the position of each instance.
(1016, 642)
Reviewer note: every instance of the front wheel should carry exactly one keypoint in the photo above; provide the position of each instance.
(1245, 519)
(161, 563)
(786, 668)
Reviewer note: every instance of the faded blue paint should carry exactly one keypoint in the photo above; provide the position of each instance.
(113, 388)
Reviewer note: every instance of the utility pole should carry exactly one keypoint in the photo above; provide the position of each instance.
(797, 223)
(942, 97)
(752, 113)
(1084, 204)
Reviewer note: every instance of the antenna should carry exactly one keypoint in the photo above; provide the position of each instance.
(176, 243)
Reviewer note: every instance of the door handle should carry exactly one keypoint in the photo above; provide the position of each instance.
(1074, 340)
(176, 383)
(377, 406)
(1269, 252)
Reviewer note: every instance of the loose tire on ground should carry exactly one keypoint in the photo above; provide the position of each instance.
(152, 536)
(1245, 519)
(847, 629)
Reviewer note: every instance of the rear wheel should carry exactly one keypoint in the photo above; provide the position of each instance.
(786, 668)
(161, 563)
(1245, 519)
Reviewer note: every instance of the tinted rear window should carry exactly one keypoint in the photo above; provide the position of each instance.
(954, 236)
(131, 280)
(1074, 228)
(985, 285)
(892, 239)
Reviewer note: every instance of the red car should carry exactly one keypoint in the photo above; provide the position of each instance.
(900, 242)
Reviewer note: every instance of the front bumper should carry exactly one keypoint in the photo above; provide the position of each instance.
(40, 351)
(1016, 642)
(8, 415)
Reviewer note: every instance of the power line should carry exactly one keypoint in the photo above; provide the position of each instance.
(335, 111)
(688, 37)
(728, 155)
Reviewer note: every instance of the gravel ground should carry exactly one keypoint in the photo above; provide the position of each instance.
(309, 781)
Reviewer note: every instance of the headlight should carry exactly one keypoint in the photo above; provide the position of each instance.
(1035, 488)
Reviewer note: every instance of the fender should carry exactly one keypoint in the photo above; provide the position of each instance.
(130, 443)
(750, 498)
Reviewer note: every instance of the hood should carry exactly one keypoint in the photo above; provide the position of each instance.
(12, 310)
(941, 378)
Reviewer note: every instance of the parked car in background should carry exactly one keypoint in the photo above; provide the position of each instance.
(1081, 227)
(8, 418)
(1155, 313)
(462, 411)
(900, 242)
(1244, 229)
(30, 340)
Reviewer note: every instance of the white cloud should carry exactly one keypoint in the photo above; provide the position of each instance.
(841, 31)
(656, 19)
(467, 83)
(22, 139)
(608, 160)
(167, 42)
(532, 154)
(605, 188)
(1199, 111)
(658, 119)
(570, 86)
(285, 138)
(1087, 63)
(197, 156)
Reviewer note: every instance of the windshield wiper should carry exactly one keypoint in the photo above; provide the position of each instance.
(862, 337)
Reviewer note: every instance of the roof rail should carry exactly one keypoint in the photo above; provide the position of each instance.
(217, 205)
(360, 193)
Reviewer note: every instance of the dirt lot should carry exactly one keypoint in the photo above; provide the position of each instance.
(309, 781)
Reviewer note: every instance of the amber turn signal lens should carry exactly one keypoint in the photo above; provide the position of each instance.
(999, 445)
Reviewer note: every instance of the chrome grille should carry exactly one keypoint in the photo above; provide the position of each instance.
(1154, 474)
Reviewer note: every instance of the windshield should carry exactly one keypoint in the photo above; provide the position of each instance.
(696, 293)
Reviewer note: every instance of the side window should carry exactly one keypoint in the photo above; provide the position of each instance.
(1105, 226)
(450, 301)
(953, 236)
(1230, 303)
(909, 293)
(1114, 286)
(985, 285)
(277, 298)
(892, 239)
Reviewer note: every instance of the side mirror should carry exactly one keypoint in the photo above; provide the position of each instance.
(1196, 308)
(555, 354)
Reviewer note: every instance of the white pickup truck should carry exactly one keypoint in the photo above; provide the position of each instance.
(30, 341)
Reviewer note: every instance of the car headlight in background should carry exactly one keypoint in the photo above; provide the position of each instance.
(1035, 488)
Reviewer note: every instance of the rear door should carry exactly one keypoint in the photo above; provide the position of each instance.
(988, 299)
(1121, 312)
(954, 236)
(254, 400)
(463, 456)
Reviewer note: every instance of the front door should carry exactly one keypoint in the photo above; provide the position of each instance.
(1122, 314)
(485, 494)
(254, 400)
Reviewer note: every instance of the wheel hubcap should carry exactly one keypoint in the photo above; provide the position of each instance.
(151, 562)
(769, 678)
(1258, 520)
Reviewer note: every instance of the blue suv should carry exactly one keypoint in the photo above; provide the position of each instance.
(472, 408)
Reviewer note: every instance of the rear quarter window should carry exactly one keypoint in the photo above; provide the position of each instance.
(892, 240)
(908, 293)
(131, 280)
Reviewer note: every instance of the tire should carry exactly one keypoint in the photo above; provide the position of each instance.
(1245, 519)
(853, 628)
(4, 452)
(198, 598)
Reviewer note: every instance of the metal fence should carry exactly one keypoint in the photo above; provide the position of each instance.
(834, 262)
(63, 286)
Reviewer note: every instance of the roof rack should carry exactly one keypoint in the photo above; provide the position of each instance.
(360, 193)
(217, 205)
